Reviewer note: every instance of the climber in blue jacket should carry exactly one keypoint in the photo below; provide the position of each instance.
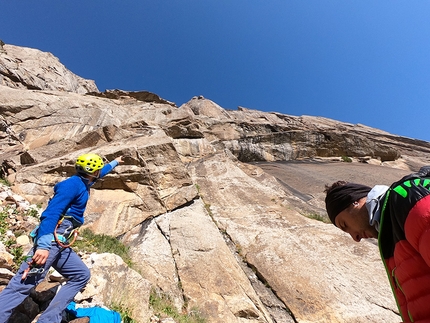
(52, 240)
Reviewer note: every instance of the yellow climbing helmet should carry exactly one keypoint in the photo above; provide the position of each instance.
(88, 163)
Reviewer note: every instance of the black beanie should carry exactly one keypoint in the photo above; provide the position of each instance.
(342, 196)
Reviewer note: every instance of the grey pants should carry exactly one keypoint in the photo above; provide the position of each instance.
(68, 264)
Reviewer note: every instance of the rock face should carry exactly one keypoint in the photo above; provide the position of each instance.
(205, 226)
(30, 68)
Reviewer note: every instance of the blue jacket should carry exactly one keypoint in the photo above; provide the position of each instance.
(96, 314)
(70, 198)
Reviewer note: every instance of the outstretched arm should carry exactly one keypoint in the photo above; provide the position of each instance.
(108, 167)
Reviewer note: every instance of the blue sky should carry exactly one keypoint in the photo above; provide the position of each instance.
(356, 61)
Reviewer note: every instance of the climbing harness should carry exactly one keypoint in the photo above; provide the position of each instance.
(65, 240)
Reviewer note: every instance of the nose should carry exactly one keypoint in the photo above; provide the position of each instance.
(355, 236)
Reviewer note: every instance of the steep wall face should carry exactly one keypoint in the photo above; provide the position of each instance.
(30, 68)
(205, 228)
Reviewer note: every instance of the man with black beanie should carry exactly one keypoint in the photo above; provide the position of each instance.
(399, 217)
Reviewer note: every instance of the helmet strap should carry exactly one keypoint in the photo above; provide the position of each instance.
(90, 176)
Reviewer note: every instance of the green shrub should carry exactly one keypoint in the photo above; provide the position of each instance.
(316, 216)
(3, 224)
(4, 181)
(346, 159)
(18, 257)
(163, 307)
(100, 243)
(34, 213)
(123, 311)
(15, 250)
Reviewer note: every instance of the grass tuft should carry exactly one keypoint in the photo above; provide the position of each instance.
(101, 243)
(163, 307)
(124, 311)
(316, 216)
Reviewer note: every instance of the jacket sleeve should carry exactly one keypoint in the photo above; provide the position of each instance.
(108, 168)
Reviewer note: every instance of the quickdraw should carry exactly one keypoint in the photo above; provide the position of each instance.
(31, 270)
